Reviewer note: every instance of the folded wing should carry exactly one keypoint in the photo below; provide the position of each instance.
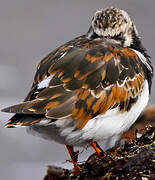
(82, 79)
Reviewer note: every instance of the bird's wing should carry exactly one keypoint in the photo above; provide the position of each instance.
(83, 79)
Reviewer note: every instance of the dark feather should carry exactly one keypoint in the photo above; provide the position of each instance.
(89, 77)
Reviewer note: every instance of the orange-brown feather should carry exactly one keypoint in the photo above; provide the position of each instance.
(88, 100)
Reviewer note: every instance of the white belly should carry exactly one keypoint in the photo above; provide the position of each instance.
(100, 128)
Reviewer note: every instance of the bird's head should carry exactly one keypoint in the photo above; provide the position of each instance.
(114, 25)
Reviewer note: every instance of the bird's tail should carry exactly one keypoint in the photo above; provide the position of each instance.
(19, 120)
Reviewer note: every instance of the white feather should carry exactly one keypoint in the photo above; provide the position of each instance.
(45, 82)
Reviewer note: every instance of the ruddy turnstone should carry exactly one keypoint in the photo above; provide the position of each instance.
(90, 89)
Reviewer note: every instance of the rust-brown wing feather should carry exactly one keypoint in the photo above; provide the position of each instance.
(87, 79)
(116, 81)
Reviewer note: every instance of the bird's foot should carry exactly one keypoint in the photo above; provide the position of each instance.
(74, 157)
(98, 149)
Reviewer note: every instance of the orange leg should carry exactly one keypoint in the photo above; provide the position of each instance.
(97, 148)
(74, 156)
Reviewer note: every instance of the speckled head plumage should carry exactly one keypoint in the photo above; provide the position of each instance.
(115, 25)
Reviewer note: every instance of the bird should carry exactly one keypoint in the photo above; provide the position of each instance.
(89, 89)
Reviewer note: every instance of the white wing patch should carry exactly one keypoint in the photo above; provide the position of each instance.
(44, 83)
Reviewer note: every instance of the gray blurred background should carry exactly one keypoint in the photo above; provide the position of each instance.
(29, 30)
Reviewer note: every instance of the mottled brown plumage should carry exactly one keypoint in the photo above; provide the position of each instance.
(96, 78)
(89, 88)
